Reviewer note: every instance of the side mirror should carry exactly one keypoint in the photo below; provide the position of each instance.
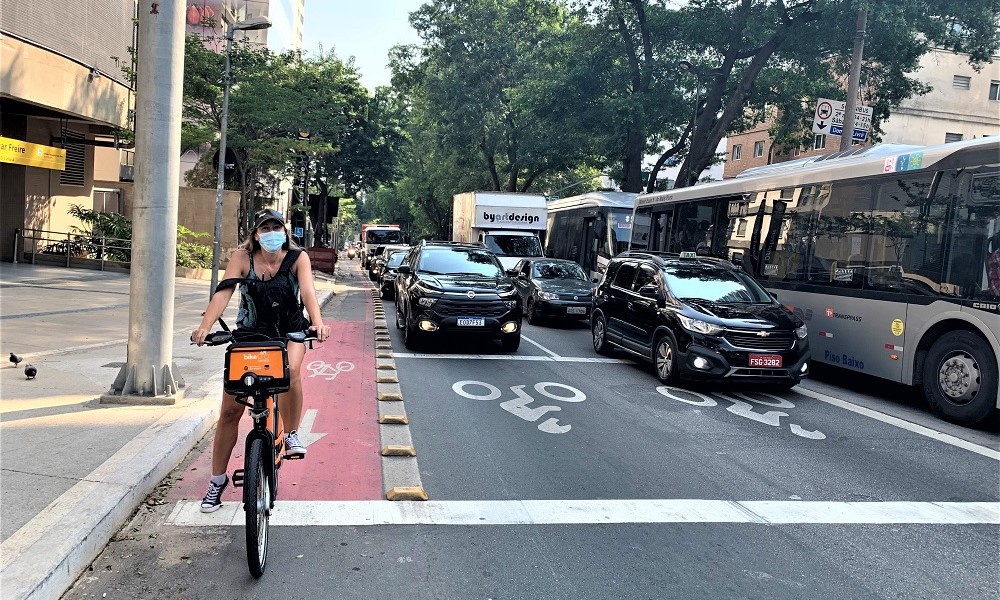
(404, 270)
(773, 295)
(522, 276)
(511, 272)
(649, 291)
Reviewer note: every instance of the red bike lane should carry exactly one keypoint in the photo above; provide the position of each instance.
(339, 426)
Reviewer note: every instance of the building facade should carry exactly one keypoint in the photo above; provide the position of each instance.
(964, 104)
(62, 91)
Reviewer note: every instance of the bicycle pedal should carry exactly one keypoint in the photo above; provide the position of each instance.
(293, 456)
(237, 478)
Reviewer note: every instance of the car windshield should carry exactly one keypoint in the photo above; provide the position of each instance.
(701, 282)
(558, 270)
(395, 259)
(383, 236)
(454, 261)
(514, 245)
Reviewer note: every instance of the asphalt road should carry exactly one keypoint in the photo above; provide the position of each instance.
(556, 473)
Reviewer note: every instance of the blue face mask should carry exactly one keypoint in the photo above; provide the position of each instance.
(272, 241)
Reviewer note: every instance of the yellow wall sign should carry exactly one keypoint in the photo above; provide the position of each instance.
(32, 155)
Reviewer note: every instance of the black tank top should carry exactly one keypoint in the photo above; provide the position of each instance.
(272, 307)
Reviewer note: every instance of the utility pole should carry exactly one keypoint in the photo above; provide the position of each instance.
(854, 81)
(149, 376)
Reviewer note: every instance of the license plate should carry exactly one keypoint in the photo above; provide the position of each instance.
(765, 360)
(471, 321)
(576, 310)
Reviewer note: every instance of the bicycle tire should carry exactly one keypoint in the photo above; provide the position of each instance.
(257, 507)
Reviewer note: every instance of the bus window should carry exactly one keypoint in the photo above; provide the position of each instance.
(841, 237)
(973, 267)
(906, 226)
(640, 231)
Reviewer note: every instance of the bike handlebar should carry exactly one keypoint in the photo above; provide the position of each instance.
(218, 338)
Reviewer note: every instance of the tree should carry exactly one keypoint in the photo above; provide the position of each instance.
(773, 51)
(285, 109)
(481, 83)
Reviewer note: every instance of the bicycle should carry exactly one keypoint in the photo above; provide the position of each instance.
(256, 372)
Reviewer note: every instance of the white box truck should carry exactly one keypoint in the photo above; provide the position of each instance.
(507, 223)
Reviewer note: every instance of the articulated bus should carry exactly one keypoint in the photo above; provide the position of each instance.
(590, 229)
(890, 254)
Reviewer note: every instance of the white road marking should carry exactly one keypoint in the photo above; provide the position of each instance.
(902, 424)
(539, 346)
(592, 512)
(579, 359)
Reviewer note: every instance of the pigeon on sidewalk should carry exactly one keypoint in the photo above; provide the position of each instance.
(15, 359)
(30, 371)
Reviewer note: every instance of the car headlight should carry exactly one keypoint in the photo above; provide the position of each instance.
(425, 301)
(548, 295)
(699, 326)
(801, 332)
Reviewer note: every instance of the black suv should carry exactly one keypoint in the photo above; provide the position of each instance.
(698, 318)
(447, 287)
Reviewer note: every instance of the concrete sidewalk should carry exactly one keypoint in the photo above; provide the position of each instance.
(73, 470)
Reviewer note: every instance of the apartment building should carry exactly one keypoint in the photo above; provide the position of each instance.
(964, 104)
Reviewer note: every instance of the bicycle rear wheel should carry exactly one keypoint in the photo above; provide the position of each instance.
(257, 506)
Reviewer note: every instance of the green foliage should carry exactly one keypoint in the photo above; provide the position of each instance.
(103, 235)
(351, 143)
(190, 254)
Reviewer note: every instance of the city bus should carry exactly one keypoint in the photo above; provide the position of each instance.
(589, 229)
(890, 254)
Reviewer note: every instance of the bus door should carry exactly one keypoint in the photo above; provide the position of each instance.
(661, 230)
(588, 245)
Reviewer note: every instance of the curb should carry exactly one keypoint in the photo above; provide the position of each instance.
(400, 473)
(78, 525)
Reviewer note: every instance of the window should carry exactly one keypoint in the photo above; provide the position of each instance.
(758, 149)
(819, 141)
(995, 90)
(625, 276)
(952, 137)
(75, 160)
(737, 151)
(646, 276)
(741, 229)
(961, 82)
(107, 201)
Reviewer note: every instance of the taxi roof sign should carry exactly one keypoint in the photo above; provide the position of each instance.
(689, 254)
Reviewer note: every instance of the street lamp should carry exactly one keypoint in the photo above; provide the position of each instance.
(251, 24)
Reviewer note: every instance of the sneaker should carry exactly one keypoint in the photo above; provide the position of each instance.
(293, 447)
(213, 497)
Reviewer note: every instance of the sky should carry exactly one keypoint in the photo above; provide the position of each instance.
(364, 29)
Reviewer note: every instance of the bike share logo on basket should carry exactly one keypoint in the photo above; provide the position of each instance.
(262, 361)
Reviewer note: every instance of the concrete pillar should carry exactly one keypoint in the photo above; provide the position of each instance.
(149, 376)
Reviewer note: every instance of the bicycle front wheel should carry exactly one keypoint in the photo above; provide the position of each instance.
(257, 505)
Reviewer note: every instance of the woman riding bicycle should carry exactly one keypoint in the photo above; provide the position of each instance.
(279, 282)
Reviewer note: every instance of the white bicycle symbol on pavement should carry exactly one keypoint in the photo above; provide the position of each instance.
(320, 368)
(743, 408)
(519, 406)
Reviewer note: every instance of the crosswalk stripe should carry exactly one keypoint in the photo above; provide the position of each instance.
(584, 512)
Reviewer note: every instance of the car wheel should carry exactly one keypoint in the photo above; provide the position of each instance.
(599, 329)
(510, 343)
(665, 359)
(960, 378)
(400, 319)
(531, 314)
(409, 334)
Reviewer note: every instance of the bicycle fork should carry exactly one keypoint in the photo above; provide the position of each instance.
(271, 457)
